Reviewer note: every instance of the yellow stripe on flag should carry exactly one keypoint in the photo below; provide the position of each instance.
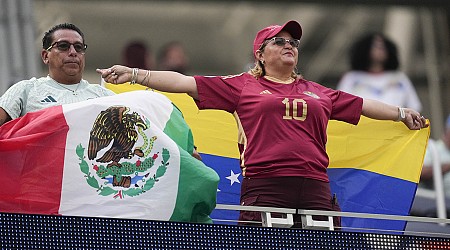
(384, 147)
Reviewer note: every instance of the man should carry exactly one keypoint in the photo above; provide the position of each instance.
(63, 51)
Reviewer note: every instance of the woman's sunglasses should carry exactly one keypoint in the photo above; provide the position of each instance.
(280, 41)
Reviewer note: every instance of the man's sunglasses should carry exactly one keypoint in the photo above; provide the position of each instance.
(65, 46)
(280, 41)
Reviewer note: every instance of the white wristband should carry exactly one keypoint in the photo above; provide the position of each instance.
(401, 114)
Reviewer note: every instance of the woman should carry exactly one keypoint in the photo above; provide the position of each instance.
(282, 120)
(375, 73)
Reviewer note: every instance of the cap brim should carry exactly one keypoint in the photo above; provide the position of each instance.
(294, 28)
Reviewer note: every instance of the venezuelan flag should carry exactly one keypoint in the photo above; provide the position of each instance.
(374, 166)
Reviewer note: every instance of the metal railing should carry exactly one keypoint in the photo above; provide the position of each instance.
(438, 186)
(309, 223)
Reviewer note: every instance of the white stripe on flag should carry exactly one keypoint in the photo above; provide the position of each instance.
(82, 199)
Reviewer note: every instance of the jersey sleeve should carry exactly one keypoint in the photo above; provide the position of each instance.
(13, 100)
(345, 107)
(219, 92)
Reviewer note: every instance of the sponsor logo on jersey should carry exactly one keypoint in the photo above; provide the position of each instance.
(48, 99)
(265, 92)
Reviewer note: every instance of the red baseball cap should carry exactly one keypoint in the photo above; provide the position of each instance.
(293, 27)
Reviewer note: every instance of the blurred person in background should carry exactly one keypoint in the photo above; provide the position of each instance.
(63, 51)
(442, 147)
(136, 54)
(375, 73)
(172, 57)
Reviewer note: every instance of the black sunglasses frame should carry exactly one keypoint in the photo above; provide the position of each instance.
(65, 46)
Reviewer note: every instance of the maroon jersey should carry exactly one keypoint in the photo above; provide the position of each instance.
(282, 127)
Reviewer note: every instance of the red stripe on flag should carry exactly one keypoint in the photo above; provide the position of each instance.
(32, 152)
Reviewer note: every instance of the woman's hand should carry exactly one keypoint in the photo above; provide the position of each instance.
(117, 74)
(413, 120)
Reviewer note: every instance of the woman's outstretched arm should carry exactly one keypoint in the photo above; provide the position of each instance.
(166, 81)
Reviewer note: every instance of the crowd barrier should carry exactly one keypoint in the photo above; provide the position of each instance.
(27, 231)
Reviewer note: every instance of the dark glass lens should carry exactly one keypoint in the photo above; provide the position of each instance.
(281, 42)
(294, 43)
(65, 46)
(78, 47)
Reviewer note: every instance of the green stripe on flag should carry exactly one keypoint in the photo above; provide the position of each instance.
(197, 187)
(177, 129)
(197, 191)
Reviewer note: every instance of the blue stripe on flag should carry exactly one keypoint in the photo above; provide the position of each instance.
(367, 192)
(229, 186)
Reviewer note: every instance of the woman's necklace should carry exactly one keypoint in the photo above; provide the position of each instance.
(274, 79)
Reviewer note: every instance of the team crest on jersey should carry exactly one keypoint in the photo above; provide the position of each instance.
(309, 93)
(115, 165)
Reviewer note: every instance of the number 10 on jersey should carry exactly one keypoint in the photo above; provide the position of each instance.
(292, 109)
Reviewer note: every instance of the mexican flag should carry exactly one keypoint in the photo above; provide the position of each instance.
(123, 156)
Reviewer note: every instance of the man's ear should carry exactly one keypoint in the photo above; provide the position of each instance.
(44, 56)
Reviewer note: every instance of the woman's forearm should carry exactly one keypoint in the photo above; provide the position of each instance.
(166, 81)
(382, 111)
(379, 110)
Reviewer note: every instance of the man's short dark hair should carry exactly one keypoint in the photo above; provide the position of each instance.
(48, 36)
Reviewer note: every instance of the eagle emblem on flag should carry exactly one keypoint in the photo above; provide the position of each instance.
(122, 169)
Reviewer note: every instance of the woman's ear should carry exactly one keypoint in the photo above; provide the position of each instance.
(259, 55)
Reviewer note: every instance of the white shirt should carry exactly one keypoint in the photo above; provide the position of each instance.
(391, 87)
(444, 156)
(442, 150)
(39, 93)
